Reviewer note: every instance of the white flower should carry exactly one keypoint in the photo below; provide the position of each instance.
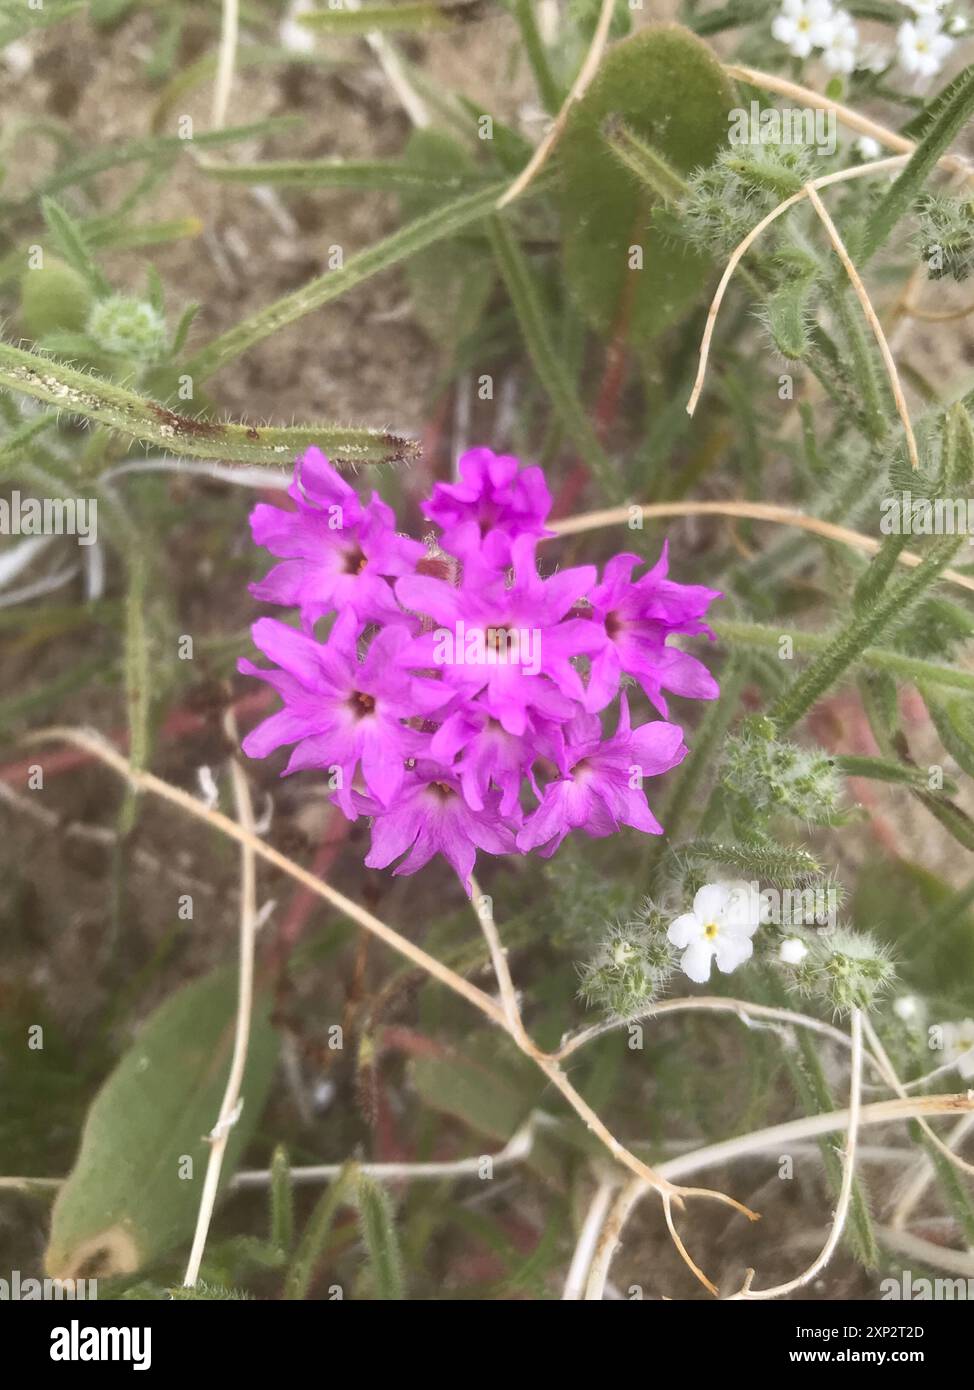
(958, 25)
(792, 951)
(295, 36)
(923, 46)
(803, 25)
(839, 51)
(907, 1008)
(925, 6)
(959, 1046)
(724, 918)
(874, 57)
(868, 147)
(18, 57)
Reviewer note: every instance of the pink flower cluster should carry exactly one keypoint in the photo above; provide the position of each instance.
(456, 698)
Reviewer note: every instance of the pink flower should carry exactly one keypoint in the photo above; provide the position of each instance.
(337, 553)
(453, 710)
(481, 623)
(601, 787)
(341, 712)
(431, 817)
(495, 502)
(636, 618)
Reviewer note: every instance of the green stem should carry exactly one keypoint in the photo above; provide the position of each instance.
(910, 668)
(93, 398)
(548, 89)
(847, 645)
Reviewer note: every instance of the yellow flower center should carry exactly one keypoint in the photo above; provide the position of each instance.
(711, 930)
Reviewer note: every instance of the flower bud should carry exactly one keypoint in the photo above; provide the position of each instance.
(127, 327)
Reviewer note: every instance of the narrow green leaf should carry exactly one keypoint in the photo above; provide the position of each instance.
(947, 122)
(282, 1201)
(315, 1238)
(337, 173)
(767, 638)
(81, 393)
(451, 282)
(409, 14)
(138, 678)
(881, 770)
(378, 1226)
(952, 817)
(152, 148)
(846, 646)
(953, 718)
(548, 88)
(71, 243)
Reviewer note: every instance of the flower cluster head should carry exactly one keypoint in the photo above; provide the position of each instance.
(806, 24)
(945, 236)
(631, 966)
(770, 777)
(922, 45)
(461, 695)
(845, 969)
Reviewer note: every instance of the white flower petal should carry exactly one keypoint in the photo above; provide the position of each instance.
(710, 901)
(696, 960)
(685, 929)
(731, 951)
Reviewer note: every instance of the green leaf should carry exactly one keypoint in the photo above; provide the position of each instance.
(952, 817)
(70, 241)
(928, 924)
(315, 1238)
(282, 1201)
(946, 123)
(385, 175)
(548, 88)
(881, 770)
(407, 14)
(54, 298)
(379, 1233)
(911, 668)
(482, 1086)
(128, 1199)
(953, 718)
(151, 149)
(671, 93)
